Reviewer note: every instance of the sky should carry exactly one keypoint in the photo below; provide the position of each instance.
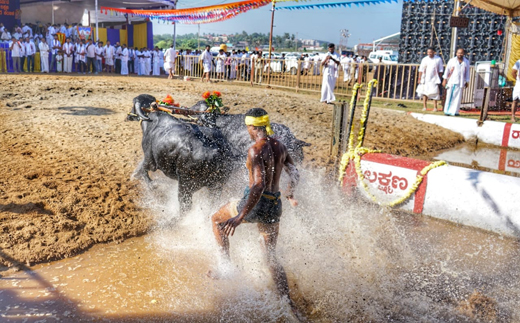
(364, 23)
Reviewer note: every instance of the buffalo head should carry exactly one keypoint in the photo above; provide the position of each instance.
(141, 101)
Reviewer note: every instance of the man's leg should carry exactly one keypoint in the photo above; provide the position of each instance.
(425, 100)
(225, 213)
(270, 234)
(513, 109)
(435, 105)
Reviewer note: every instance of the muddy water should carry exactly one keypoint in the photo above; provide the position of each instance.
(346, 261)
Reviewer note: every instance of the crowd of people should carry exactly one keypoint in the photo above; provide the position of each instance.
(76, 54)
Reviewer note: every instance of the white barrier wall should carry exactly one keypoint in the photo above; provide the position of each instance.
(492, 132)
(470, 197)
(492, 158)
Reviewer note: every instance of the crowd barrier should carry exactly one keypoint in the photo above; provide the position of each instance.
(492, 132)
(470, 197)
(395, 82)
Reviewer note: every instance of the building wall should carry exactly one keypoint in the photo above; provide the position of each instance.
(480, 39)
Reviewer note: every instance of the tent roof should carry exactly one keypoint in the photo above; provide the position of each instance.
(391, 39)
(502, 7)
(90, 4)
(71, 11)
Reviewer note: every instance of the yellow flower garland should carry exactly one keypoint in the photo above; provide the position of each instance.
(356, 153)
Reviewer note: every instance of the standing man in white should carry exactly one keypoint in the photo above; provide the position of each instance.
(169, 61)
(109, 57)
(345, 63)
(68, 52)
(430, 75)
(330, 74)
(516, 89)
(124, 60)
(44, 56)
(15, 46)
(100, 51)
(456, 76)
(207, 59)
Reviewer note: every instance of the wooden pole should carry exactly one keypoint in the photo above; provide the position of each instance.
(270, 45)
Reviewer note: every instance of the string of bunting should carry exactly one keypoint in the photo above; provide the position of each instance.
(199, 15)
(344, 4)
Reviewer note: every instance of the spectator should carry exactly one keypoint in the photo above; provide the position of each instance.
(109, 57)
(430, 76)
(15, 46)
(124, 60)
(68, 53)
(345, 63)
(99, 52)
(456, 76)
(330, 74)
(44, 56)
(82, 57)
(30, 50)
(118, 58)
(59, 61)
(91, 57)
(55, 46)
(207, 60)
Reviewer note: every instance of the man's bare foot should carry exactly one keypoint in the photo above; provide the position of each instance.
(513, 119)
(424, 109)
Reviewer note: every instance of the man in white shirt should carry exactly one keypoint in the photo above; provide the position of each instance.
(124, 60)
(30, 50)
(82, 52)
(55, 46)
(330, 74)
(456, 77)
(109, 57)
(99, 57)
(221, 58)
(140, 61)
(430, 75)
(131, 55)
(91, 57)
(26, 31)
(207, 60)
(68, 53)
(44, 55)
(77, 46)
(15, 46)
(147, 61)
(136, 60)
(516, 90)
(169, 61)
(345, 63)
(156, 69)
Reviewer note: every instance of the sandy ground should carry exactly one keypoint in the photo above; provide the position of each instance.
(67, 154)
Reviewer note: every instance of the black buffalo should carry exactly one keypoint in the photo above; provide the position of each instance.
(196, 156)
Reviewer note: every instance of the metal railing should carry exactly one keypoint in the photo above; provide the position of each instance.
(395, 82)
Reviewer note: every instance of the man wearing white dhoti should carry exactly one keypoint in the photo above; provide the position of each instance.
(430, 75)
(147, 61)
(124, 60)
(110, 52)
(136, 60)
(516, 89)
(142, 62)
(68, 52)
(169, 61)
(44, 56)
(188, 61)
(456, 76)
(156, 70)
(330, 74)
(55, 46)
(221, 58)
(345, 64)
(207, 59)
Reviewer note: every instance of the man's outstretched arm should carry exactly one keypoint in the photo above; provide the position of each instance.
(294, 179)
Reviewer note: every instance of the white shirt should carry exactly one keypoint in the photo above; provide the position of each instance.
(91, 50)
(17, 48)
(456, 72)
(109, 51)
(118, 52)
(430, 69)
(27, 31)
(81, 51)
(67, 48)
(54, 43)
(206, 57)
(44, 48)
(170, 55)
(345, 62)
(99, 53)
(124, 54)
(30, 49)
(331, 68)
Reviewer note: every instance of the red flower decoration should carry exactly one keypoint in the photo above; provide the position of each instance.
(168, 100)
(206, 95)
(217, 93)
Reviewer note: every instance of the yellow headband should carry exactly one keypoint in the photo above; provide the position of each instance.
(262, 121)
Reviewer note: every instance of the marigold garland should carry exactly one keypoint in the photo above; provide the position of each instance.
(355, 154)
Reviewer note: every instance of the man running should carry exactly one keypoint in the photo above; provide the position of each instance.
(261, 203)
